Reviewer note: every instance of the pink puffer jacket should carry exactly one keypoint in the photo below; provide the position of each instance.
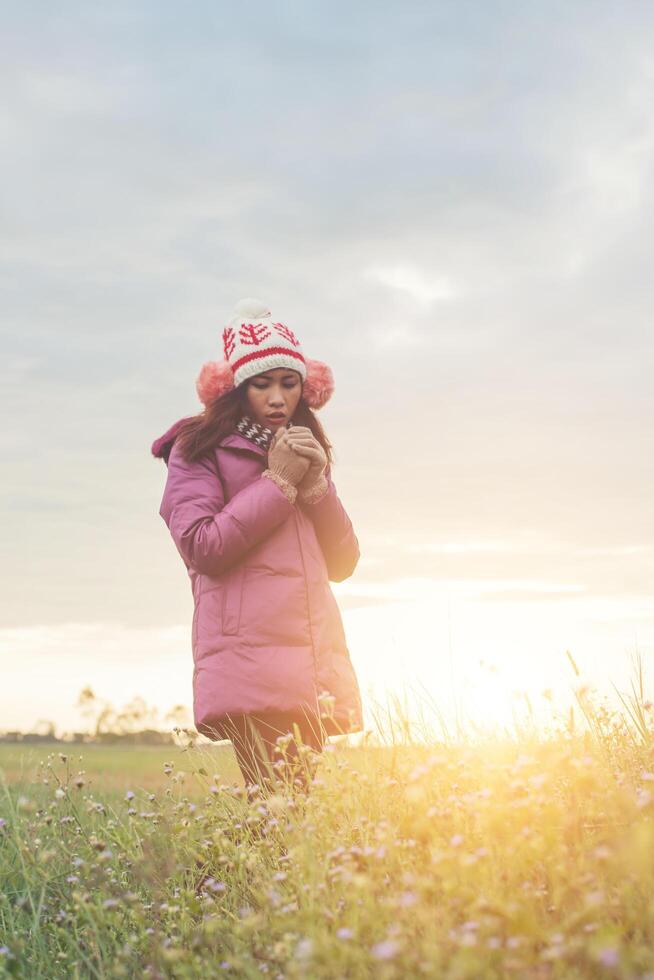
(267, 633)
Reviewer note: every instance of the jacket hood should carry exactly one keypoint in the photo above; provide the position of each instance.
(161, 447)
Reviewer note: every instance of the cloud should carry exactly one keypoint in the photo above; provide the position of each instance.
(420, 589)
(466, 547)
(414, 283)
(518, 546)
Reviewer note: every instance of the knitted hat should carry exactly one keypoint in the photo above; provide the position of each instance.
(254, 343)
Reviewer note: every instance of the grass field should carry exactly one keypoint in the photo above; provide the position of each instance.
(113, 769)
(530, 858)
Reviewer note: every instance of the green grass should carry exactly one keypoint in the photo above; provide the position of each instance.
(531, 857)
(113, 768)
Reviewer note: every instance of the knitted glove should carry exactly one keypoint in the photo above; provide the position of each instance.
(285, 467)
(313, 485)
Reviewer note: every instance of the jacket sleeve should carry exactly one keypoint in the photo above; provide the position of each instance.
(335, 533)
(212, 535)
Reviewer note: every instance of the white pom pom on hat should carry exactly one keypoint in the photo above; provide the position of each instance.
(254, 343)
(249, 308)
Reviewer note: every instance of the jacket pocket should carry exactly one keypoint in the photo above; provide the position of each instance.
(232, 600)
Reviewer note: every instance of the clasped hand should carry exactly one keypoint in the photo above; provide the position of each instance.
(302, 442)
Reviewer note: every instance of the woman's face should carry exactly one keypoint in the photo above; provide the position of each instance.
(272, 396)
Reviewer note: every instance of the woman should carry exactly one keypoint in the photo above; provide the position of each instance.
(251, 506)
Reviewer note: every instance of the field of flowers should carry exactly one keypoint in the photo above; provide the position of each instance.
(530, 857)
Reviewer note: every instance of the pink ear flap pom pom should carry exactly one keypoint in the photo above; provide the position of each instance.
(318, 385)
(215, 378)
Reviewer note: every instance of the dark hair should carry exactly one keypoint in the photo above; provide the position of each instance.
(200, 434)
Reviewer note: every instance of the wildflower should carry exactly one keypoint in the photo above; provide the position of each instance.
(385, 950)
(3, 824)
(110, 903)
(553, 952)
(609, 956)
(304, 949)
(344, 933)
(60, 793)
(274, 897)
(407, 899)
(326, 702)
(129, 795)
(456, 840)
(213, 885)
(419, 771)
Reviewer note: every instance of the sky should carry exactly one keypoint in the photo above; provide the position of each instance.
(451, 204)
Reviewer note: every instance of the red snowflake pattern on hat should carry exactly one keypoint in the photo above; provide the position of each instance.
(286, 333)
(228, 341)
(253, 333)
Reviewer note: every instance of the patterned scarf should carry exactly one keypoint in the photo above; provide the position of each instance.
(261, 435)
